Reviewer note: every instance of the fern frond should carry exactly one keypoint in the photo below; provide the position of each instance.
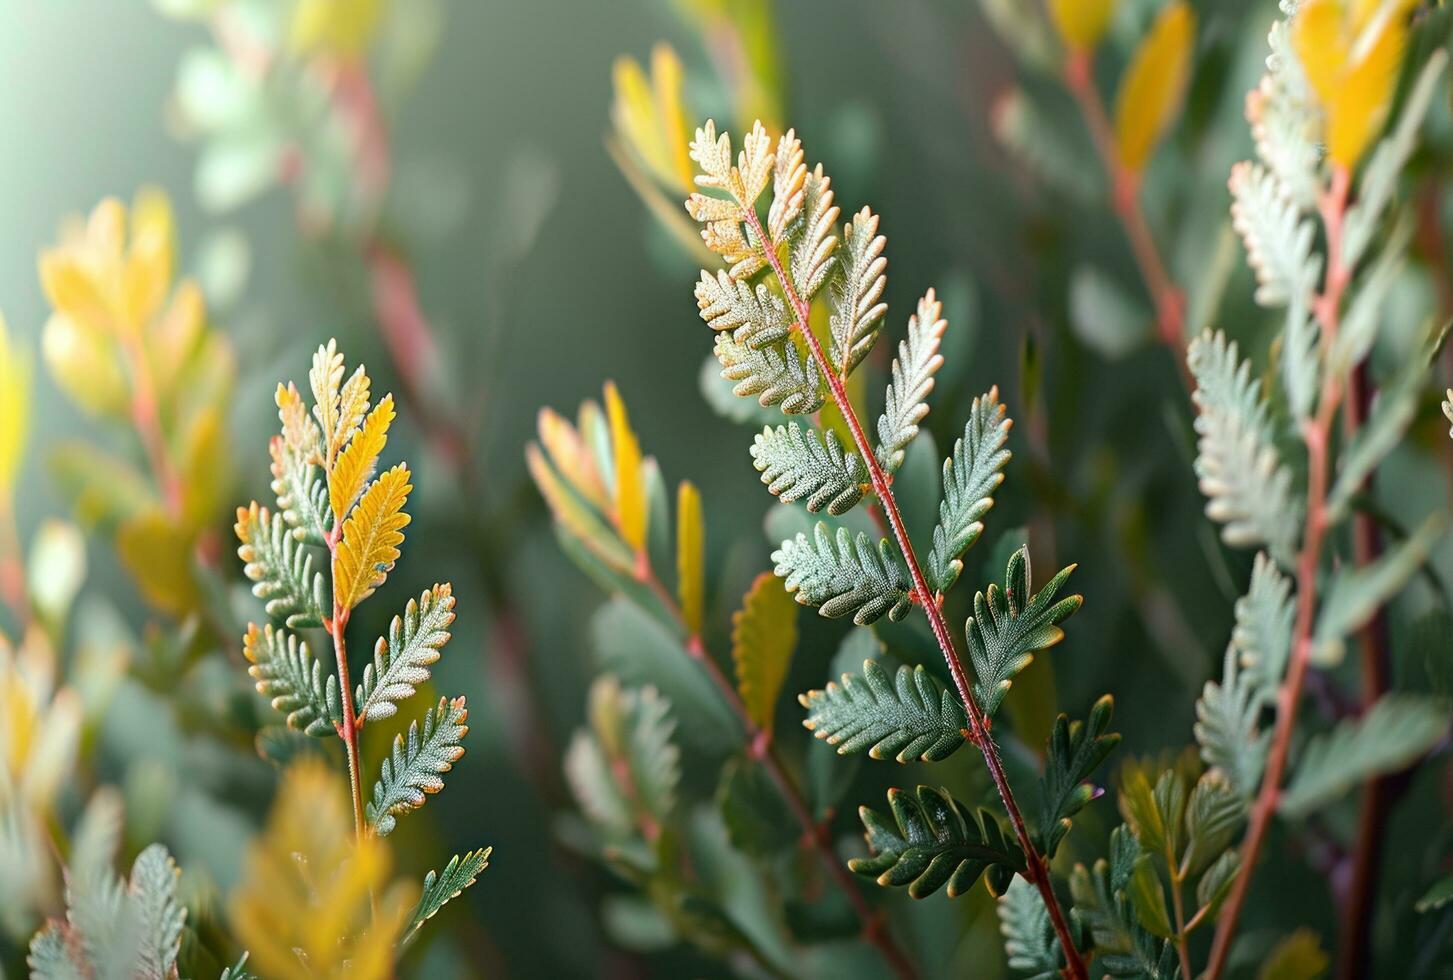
(907, 716)
(159, 916)
(854, 578)
(1030, 943)
(744, 181)
(402, 660)
(780, 375)
(1076, 749)
(415, 766)
(297, 685)
(1278, 238)
(935, 843)
(728, 304)
(1248, 490)
(857, 308)
(358, 460)
(764, 634)
(371, 538)
(913, 369)
(1010, 626)
(1227, 727)
(297, 480)
(812, 244)
(1283, 118)
(789, 185)
(443, 887)
(1263, 632)
(280, 568)
(626, 769)
(797, 463)
(970, 476)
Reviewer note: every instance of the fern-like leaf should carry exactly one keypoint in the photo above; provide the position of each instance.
(297, 480)
(1228, 730)
(812, 241)
(1076, 750)
(1278, 239)
(1010, 626)
(297, 685)
(726, 304)
(1248, 490)
(913, 369)
(159, 916)
(774, 375)
(356, 463)
(797, 463)
(281, 569)
(1263, 633)
(724, 231)
(858, 308)
(624, 771)
(906, 716)
(402, 660)
(1030, 943)
(415, 766)
(935, 843)
(853, 578)
(970, 476)
(443, 887)
(371, 538)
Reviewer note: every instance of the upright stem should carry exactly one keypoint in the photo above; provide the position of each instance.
(1125, 198)
(761, 749)
(349, 729)
(1037, 870)
(1178, 902)
(1316, 433)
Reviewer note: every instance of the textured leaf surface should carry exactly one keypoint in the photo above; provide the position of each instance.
(358, 460)
(159, 916)
(797, 463)
(905, 716)
(371, 538)
(1030, 944)
(401, 661)
(849, 578)
(280, 568)
(858, 308)
(292, 680)
(970, 476)
(442, 887)
(906, 402)
(1010, 626)
(764, 634)
(932, 842)
(1075, 751)
(417, 764)
(1227, 727)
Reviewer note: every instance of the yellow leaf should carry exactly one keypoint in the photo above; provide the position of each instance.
(72, 290)
(572, 458)
(1154, 84)
(690, 556)
(574, 518)
(147, 271)
(764, 634)
(631, 509)
(1081, 23)
(303, 908)
(86, 364)
(352, 403)
(14, 412)
(299, 432)
(1359, 110)
(205, 467)
(633, 112)
(359, 458)
(174, 337)
(158, 554)
(1321, 40)
(325, 377)
(340, 28)
(371, 538)
(40, 724)
(667, 82)
(1298, 956)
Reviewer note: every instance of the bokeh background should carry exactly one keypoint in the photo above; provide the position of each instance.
(541, 273)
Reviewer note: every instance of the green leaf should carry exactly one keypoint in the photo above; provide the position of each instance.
(764, 634)
(1227, 727)
(774, 374)
(811, 237)
(1009, 627)
(933, 842)
(302, 494)
(906, 402)
(1075, 750)
(238, 970)
(442, 887)
(857, 307)
(1122, 946)
(281, 569)
(159, 916)
(1263, 632)
(970, 476)
(1216, 882)
(854, 578)
(727, 304)
(1248, 490)
(293, 681)
(1395, 731)
(1298, 956)
(1214, 814)
(797, 463)
(1436, 897)
(1148, 897)
(1357, 593)
(1030, 943)
(1104, 317)
(624, 771)
(1368, 302)
(907, 717)
(402, 660)
(415, 766)
(1278, 238)
(758, 821)
(1041, 140)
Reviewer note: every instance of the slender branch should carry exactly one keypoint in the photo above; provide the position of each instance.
(1037, 870)
(1170, 304)
(1178, 902)
(348, 731)
(761, 748)
(1316, 433)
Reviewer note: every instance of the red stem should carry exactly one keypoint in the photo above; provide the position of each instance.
(348, 731)
(1316, 433)
(1037, 871)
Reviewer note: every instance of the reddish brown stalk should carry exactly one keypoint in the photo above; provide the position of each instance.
(1170, 304)
(761, 749)
(348, 731)
(1037, 870)
(1316, 433)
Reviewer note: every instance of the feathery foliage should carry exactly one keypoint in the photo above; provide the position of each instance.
(281, 569)
(417, 764)
(906, 716)
(795, 464)
(287, 674)
(1076, 749)
(848, 577)
(905, 403)
(442, 887)
(402, 660)
(970, 477)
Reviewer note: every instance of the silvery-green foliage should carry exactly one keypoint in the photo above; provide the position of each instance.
(294, 681)
(402, 659)
(844, 576)
(416, 765)
(905, 716)
(1263, 634)
(1228, 727)
(906, 402)
(970, 477)
(857, 295)
(797, 463)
